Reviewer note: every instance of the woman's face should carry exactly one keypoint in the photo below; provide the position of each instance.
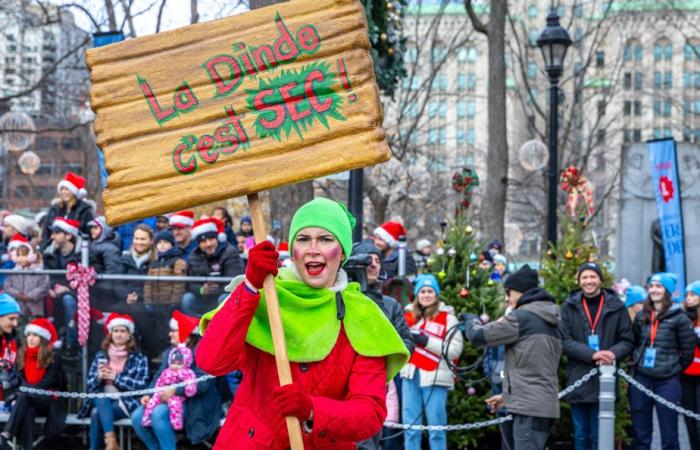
(95, 232)
(692, 300)
(66, 195)
(656, 291)
(33, 340)
(120, 335)
(317, 255)
(142, 242)
(174, 337)
(427, 297)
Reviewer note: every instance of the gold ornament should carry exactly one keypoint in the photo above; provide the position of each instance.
(390, 6)
(390, 51)
(568, 254)
(383, 37)
(442, 274)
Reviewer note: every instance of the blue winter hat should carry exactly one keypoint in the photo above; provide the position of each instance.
(247, 220)
(633, 295)
(426, 279)
(8, 305)
(693, 287)
(667, 279)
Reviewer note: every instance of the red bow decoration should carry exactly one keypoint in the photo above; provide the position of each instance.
(573, 182)
(464, 183)
(81, 278)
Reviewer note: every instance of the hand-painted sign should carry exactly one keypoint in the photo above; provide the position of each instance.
(220, 109)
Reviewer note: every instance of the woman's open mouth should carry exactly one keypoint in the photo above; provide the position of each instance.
(314, 268)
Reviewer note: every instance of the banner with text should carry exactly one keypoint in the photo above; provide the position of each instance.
(225, 108)
(664, 175)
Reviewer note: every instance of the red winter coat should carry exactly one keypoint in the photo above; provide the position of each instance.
(348, 390)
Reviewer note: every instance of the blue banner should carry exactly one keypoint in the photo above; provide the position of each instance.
(664, 175)
(100, 40)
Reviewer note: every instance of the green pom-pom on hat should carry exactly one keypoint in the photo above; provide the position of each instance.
(327, 214)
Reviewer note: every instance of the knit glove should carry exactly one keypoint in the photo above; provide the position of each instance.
(291, 400)
(262, 260)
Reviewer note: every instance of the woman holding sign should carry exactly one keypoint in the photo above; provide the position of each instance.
(664, 345)
(341, 347)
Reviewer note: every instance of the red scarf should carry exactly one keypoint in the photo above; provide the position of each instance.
(32, 372)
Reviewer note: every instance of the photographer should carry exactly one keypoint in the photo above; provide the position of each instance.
(533, 348)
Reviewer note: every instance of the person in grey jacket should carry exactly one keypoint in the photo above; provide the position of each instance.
(530, 333)
(664, 347)
(595, 329)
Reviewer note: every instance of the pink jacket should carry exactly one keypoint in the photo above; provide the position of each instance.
(392, 403)
(348, 390)
(34, 286)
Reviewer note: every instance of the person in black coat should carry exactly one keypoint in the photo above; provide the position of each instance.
(664, 346)
(69, 205)
(135, 261)
(39, 368)
(212, 257)
(104, 258)
(595, 329)
(690, 379)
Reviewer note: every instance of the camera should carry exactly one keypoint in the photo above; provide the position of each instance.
(356, 268)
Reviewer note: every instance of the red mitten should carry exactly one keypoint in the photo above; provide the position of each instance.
(262, 260)
(291, 400)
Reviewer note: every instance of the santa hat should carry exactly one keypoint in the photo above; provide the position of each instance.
(74, 183)
(69, 226)
(182, 219)
(390, 232)
(184, 325)
(119, 320)
(209, 227)
(43, 328)
(18, 241)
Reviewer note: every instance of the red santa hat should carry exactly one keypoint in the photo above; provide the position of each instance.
(74, 183)
(69, 226)
(18, 241)
(119, 320)
(43, 328)
(184, 325)
(209, 227)
(390, 232)
(182, 219)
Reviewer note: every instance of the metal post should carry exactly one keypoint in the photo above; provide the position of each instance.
(355, 187)
(84, 261)
(402, 256)
(606, 408)
(553, 161)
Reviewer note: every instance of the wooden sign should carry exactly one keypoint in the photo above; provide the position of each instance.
(235, 106)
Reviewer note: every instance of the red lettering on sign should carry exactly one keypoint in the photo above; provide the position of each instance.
(308, 38)
(292, 101)
(161, 114)
(285, 47)
(206, 149)
(188, 166)
(184, 98)
(260, 105)
(316, 75)
(224, 84)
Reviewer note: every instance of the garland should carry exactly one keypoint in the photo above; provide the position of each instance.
(384, 21)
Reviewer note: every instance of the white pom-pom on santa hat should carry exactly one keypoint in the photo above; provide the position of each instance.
(220, 229)
(74, 183)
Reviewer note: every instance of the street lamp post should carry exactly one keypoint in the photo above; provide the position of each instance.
(553, 42)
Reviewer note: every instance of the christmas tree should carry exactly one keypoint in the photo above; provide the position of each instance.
(467, 288)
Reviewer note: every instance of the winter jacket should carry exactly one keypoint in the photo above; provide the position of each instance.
(166, 292)
(421, 261)
(444, 376)
(348, 390)
(133, 377)
(82, 212)
(674, 344)
(53, 380)
(54, 260)
(614, 331)
(35, 287)
(533, 348)
(187, 251)
(202, 411)
(225, 260)
(128, 266)
(394, 312)
(390, 264)
(105, 253)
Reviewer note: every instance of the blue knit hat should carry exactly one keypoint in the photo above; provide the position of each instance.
(426, 279)
(634, 294)
(8, 305)
(693, 287)
(667, 279)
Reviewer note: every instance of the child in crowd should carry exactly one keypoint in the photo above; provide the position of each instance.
(29, 290)
(169, 262)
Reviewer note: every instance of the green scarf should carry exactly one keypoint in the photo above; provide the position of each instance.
(311, 327)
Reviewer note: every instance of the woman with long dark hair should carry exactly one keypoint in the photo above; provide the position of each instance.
(664, 344)
(37, 367)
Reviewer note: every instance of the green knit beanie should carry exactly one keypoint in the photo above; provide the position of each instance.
(327, 214)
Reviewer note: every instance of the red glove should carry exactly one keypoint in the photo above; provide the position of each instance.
(262, 260)
(291, 400)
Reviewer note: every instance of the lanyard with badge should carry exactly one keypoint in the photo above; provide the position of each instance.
(593, 340)
(650, 352)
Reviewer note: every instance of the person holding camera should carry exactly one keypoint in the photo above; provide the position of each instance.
(533, 348)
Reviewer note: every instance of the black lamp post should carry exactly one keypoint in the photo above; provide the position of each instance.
(355, 187)
(553, 41)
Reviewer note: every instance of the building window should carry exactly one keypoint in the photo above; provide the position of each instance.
(600, 59)
(561, 10)
(461, 82)
(532, 11)
(578, 11)
(470, 137)
(627, 80)
(600, 136)
(471, 81)
(601, 108)
(637, 107)
(627, 108)
(440, 83)
(638, 81)
(432, 136)
(439, 53)
(471, 109)
(663, 52)
(412, 54)
(532, 36)
(532, 71)
(472, 54)
(691, 52)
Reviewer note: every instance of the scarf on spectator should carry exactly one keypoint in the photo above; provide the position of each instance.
(117, 357)
(311, 326)
(140, 260)
(32, 372)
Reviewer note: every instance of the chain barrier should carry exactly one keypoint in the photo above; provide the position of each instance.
(112, 395)
(578, 383)
(657, 398)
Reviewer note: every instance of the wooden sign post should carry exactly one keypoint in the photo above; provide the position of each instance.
(233, 107)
